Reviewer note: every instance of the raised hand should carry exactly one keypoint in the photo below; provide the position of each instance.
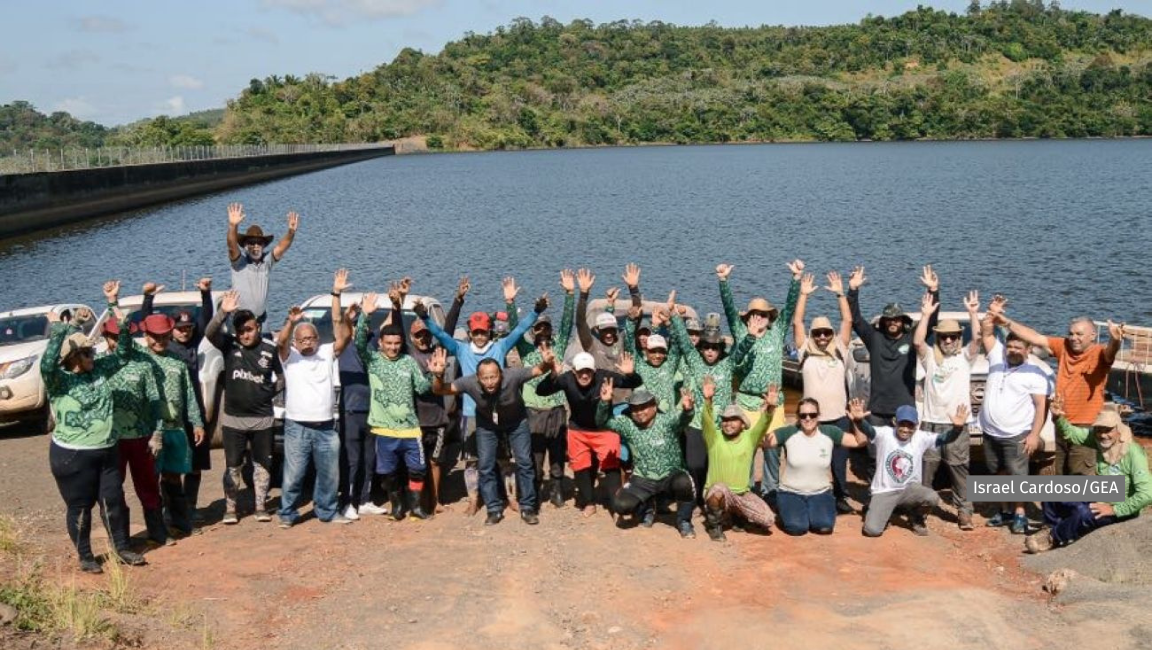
(687, 403)
(150, 288)
(1115, 330)
(394, 294)
(972, 302)
(541, 304)
(368, 302)
(708, 387)
(204, 284)
(293, 222)
(230, 302)
(438, 361)
(996, 307)
(631, 275)
(928, 278)
(568, 280)
(626, 365)
(53, 316)
(928, 306)
(808, 284)
(235, 214)
(960, 417)
(612, 294)
(295, 314)
(771, 397)
(547, 355)
(724, 270)
(585, 280)
(340, 283)
(463, 287)
(420, 309)
(757, 325)
(856, 278)
(835, 284)
(510, 289)
(351, 312)
(405, 286)
(660, 317)
(1056, 407)
(797, 268)
(606, 390)
(682, 310)
(856, 409)
(112, 290)
(671, 304)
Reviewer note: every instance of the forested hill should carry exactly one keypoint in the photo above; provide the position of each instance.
(1008, 70)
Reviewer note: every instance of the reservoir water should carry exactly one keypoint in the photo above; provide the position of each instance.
(1062, 228)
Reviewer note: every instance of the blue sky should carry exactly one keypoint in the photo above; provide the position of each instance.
(116, 61)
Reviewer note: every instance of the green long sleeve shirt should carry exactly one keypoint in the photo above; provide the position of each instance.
(655, 449)
(81, 403)
(694, 369)
(662, 381)
(177, 393)
(394, 385)
(136, 405)
(758, 362)
(1133, 466)
(530, 355)
(730, 458)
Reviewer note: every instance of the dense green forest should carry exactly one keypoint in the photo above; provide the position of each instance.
(1014, 68)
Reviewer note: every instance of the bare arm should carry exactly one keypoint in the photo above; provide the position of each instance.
(920, 335)
(284, 336)
(1029, 335)
(1032, 442)
(285, 242)
(235, 216)
(341, 333)
(836, 286)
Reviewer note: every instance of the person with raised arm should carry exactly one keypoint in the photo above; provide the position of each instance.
(891, 355)
(251, 264)
(758, 356)
(654, 440)
(1082, 367)
(468, 356)
(947, 385)
(83, 454)
(251, 366)
(824, 360)
(310, 435)
(659, 365)
(547, 417)
(500, 412)
(604, 342)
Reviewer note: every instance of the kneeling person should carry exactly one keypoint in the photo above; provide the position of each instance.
(899, 458)
(654, 440)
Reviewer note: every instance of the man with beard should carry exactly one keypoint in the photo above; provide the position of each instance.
(251, 265)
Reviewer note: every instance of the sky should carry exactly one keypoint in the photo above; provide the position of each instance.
(116, 61)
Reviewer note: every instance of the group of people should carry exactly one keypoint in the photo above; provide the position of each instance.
(661, 411)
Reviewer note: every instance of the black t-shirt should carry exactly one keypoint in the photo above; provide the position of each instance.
(583, 400)
(250, 377)
(504, 410)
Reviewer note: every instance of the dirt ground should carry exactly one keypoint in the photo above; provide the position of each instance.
(568, 583)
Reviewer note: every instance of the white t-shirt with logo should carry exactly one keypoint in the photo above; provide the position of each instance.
(1008, 408)
(898, 463)
(309, 384)
(947, 385)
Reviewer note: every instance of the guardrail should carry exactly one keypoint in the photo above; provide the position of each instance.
(56, 160)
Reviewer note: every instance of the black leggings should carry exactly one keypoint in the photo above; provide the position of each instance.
(85, 478)
(678, 485)
(696, 460)
(584, 494)
(556, 447)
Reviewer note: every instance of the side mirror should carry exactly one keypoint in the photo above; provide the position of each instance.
(860, 355)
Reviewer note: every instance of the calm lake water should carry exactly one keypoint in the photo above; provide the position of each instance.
(1062, 228)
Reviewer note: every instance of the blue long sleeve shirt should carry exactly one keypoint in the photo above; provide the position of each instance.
(468, 358)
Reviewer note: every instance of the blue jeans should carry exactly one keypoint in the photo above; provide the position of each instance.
(801, 513)
(1071, 520)
(317, 442)
(520, 441)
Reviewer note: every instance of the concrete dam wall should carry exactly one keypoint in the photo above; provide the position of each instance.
(30, 202)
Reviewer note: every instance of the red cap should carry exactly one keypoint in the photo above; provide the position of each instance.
(479, 321)
(158, 324)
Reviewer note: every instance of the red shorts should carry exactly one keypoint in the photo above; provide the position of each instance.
(582, 444)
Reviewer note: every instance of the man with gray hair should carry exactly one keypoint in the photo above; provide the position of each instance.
(1081, 375)
(309, 403)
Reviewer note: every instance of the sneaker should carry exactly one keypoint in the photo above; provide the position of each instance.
(263, 515)
(529, 517)
(843, 507)
(286, 524)
(350, 513)
(370, 508)
(493, 518)
(230, 518)
(90, 565)
(648, 518)
(1019, 525)
(131, 558)
(716, 533)
(964, 520)
(339, 519)
(919, 525)
(1001, 519)
(686, 530)
(1039, 542)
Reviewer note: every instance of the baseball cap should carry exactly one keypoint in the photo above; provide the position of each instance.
(417, 326)
(657, 342)
(158, 324)
(479, 321)
(605, 320)
(907, 413)
(542, 320)
(583, 361)
(184, 319)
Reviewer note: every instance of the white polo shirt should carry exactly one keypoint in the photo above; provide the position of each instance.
(309, 385)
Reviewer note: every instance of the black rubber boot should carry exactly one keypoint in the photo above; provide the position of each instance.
(192, 497)
(177, 504)
(557, 493)
(714, 523)
(157, 531)
(415, 510)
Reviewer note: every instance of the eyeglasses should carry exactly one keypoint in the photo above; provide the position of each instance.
(822, 333)
(807, 416)
(307, 338)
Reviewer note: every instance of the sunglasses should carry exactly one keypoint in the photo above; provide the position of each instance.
(86, 352)
(423, 334)
(807, 416)
(822, 333)
(479, 332)
(183, 328)
(949, 337)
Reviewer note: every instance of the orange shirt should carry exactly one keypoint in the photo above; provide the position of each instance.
(1080, 380)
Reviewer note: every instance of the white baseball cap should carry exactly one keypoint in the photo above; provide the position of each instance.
(606, 320)
(583, 361)
(657, 342)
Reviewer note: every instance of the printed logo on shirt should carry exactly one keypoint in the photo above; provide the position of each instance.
(247, 376)
(903, 349)
(264, 362)
(899, 466)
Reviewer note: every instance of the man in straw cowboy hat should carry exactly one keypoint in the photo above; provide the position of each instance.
(251, 265)
(758, 356)
(1116, 455)
(947, 385)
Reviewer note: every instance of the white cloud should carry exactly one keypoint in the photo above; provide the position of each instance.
(72, 59)
(75, 106)
(341, 12)
(171, 106)
(100, 25)
(185, 81)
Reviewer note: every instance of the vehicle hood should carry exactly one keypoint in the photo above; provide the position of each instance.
(21, 350)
